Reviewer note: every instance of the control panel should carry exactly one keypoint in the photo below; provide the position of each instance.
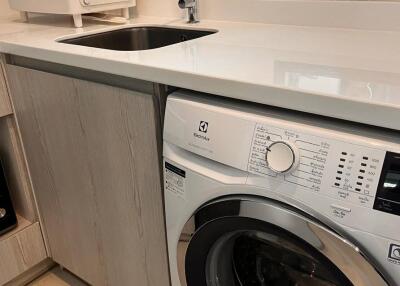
(343, 170)
(293, 155)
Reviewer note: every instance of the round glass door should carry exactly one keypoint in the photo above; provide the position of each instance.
(248, 252)
(258, 259)
(232, 246)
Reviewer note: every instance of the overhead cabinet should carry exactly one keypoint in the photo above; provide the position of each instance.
(93, 155)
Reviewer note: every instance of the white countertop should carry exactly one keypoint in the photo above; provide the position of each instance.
(342, 73)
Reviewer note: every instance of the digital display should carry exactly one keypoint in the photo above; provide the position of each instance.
(388, 194)
(392, 181)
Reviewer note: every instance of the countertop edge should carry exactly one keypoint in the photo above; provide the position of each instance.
(320, 104)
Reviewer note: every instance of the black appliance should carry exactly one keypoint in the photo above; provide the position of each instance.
(8, 219)
(388, 194)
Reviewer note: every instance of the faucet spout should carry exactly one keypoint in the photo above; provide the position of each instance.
(191, 6)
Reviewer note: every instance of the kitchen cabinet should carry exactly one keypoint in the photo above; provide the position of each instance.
(22, 249)
(93, 154)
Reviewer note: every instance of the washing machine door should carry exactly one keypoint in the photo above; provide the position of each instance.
(249, 241)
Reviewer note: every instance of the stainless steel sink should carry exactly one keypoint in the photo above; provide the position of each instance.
(137, 38)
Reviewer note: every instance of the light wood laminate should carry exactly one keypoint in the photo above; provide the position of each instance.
(33, 273)
(5, 106)
(12, 156)
(93, 158)
(57, 277)
(21, 251)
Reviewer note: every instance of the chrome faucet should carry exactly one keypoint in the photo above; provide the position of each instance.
(191, 5)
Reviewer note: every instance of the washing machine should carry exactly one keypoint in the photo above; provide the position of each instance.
(256, 195)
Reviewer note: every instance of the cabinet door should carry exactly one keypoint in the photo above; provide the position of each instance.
(5, 107)
(92, 155)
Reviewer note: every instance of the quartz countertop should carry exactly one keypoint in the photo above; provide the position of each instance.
(341, 73)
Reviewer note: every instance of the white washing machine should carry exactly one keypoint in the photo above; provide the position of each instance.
(261, 196)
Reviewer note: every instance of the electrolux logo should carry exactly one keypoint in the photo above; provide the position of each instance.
(203, 127)
(394, 253)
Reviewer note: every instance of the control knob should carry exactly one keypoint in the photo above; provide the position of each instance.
(3, 212)
(282, 157)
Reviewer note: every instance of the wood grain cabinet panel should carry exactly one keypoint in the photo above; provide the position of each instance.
(93, 158)
(5, 106)
(21, 251)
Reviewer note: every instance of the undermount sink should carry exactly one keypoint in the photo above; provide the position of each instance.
(137, 38)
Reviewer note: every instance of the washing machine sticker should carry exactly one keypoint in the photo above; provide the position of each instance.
(175, 180)
(394, 254)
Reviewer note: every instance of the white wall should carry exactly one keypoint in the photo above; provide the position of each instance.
(5, 11)
(355, 14)
(379, 15)
(158, 8)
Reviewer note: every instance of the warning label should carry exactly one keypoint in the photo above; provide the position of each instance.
(394, 254)
(175, 180)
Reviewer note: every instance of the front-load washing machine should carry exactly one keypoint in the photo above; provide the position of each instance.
(261, 196)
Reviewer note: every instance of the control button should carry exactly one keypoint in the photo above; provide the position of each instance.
(342, 160)
(3, 212)
(341, 166)
(359, 183)
(363, 164)
(282, 157)
(361, 177)
(358, 189)
(339, 172)
(344, 153)
(362, 171)
(365, 158)
(338, 178)
(337, 184)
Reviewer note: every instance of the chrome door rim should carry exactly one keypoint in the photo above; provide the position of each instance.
(346, 256)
